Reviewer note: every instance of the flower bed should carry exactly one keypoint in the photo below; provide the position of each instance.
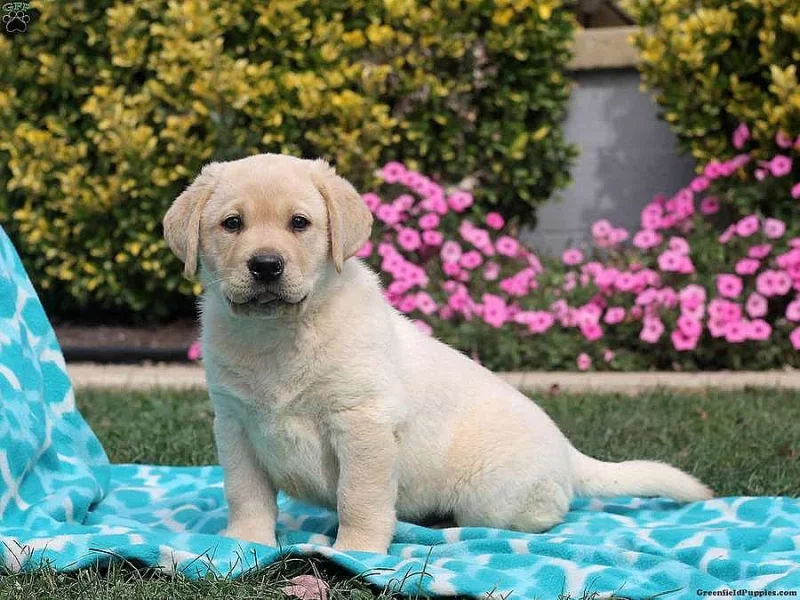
(701, 285)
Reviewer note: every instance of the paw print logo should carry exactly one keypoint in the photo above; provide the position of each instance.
(16, 21)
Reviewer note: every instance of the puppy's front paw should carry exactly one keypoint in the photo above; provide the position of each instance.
(250, 531)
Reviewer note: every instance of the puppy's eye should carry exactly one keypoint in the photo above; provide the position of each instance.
(232, 224)
(299, 223)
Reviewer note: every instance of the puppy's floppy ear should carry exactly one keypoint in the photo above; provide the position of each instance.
(182, 221)
(349, 219)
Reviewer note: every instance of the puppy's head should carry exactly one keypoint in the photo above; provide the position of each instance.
(266, 229)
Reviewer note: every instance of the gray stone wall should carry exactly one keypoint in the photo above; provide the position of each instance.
(627, 156)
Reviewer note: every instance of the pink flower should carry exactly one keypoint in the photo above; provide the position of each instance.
(540, 321)
(796, 191)
(495, 310)
(783, 140)
(683, 342)
(432, 238)
(423, 327)
(793, 311)
(591, 331)
(614, 315)
(740, 136)
(409, 239)
(608, 355)
(700, 184)
(794, 337)
(780, 165)
(372, 201)
(669, 260)
(388, 214)
(618, 235)
(495, 221)
(451, 252)
(747, 226)
(601, 229)
(726, 235)
(746, 266)
(460, 201)
(692, 296)
(429, 221)
(195, 351)
(365, 250)
(756, 305)
(759, 330)
(491, 271)
(471, 260)
(773, 283)
(760, 251)
(709, 205)
(584, 361)
(425, 303)
(507, 246)
(729, 286)
(646, 239)
(774, 228)
(689, 326)
(652, 330)
(393, 171)
(736, 332)
(571, 257)
(651, 216)
(679, 245)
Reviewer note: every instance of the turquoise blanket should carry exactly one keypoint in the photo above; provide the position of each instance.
(62, 503)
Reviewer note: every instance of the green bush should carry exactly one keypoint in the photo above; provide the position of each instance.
(715, 64)
(109, 108)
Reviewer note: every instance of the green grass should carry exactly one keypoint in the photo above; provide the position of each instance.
(740, 443)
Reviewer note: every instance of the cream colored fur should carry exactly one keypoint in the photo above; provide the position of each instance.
(322, 389)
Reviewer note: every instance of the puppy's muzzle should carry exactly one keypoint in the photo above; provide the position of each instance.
(266, 268)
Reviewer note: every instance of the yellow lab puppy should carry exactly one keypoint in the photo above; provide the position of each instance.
(322, 389)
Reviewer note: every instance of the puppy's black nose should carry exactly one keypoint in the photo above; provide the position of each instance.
(265, 267)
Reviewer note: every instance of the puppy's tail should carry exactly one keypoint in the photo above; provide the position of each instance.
(635, 478)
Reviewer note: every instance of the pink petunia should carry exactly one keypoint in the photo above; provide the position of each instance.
(432, 238)
(747, 226)
(736, 332)
(700, 184)
(773, 283)
(746, 266)
(652, 216)
(495, 221)
(540, 321)
(460, 201)
(471, 260)
(507, 246)
(793, 311)
(409, 239)
(429, 221)
(780, 165)
(652, 330)
(756, 305)
(451, 252)
(601, 229)
(491, 271)
(783, 140)
(572, 257)
(392, 172)
(709, 205)
(618, 235)
(728, 234)
(692, 296)
(740, 136)
(388, 214)
(689, 326)
(759, 251)
(774, 228)
(759, 330)
(794, 337)
(646, 239)
(584, 361)
(423, 327)
(683, 342)
(679, 245)
(670, 261)
(591, 331)
(729, 286)
(796, 191)
(425, 303)
(614, 315)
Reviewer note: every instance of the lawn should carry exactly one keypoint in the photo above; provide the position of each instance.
(740, 443)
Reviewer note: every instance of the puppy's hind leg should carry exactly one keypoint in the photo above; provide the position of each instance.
(534, 507)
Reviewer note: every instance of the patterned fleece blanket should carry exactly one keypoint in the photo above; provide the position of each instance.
(63, 504)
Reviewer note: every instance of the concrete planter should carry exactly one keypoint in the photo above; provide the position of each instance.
(627, 154)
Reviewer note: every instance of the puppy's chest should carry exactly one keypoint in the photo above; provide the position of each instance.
(295, 452)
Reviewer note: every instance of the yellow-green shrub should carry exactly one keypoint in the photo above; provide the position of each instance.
(717, 63)
(110, 107)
